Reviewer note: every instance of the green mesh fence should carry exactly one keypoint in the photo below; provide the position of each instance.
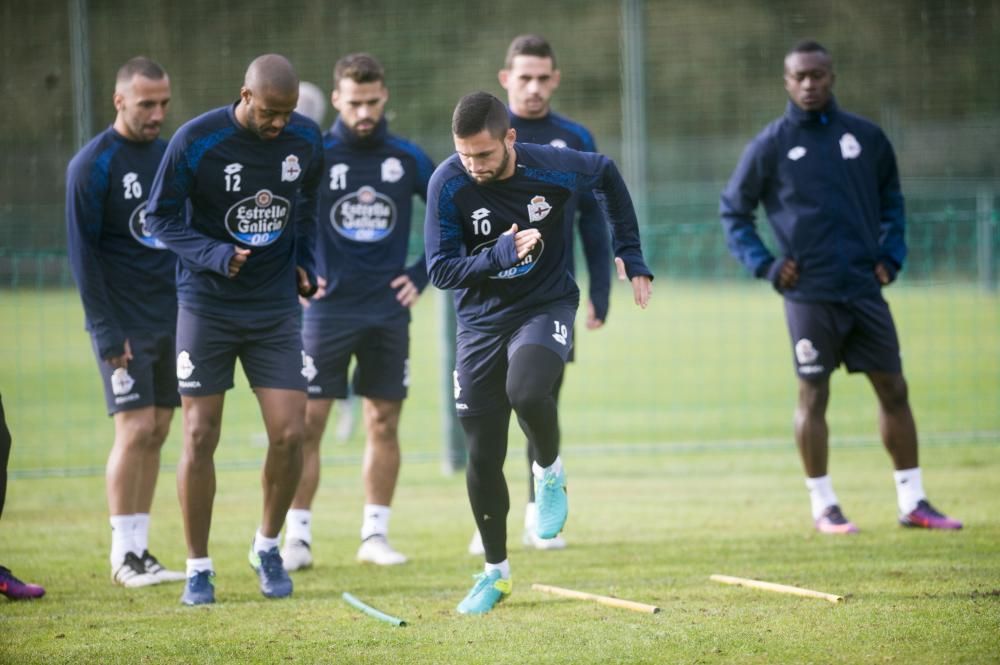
(709, 361)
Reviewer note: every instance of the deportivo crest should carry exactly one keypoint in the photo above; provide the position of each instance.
(538, 209)
(364, 216)
(392, 170)
(290, 169)
(137, 227)
(796, 153)
(258, 220)
(849, 146)
(309, 370)
(523, 267)
(805, 352)
(557, 143)
(121, 382)
(185, 368)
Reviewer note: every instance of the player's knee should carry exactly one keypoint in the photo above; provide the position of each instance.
(813, 397)
(290, 437)
(893, 392)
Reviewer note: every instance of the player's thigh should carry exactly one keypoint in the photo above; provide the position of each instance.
(206, 353)
(873, 344)
(328, 345)
(817, 331)
(480, 373)
(271, 353)
(551, 329)
(284, 413)
(132, 387)
(383, 370)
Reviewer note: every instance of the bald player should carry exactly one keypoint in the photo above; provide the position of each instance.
(235, 199)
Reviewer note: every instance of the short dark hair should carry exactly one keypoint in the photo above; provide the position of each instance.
(478, 111)
(535, 45)
(808, 46)
(359, 67)
(142, 66)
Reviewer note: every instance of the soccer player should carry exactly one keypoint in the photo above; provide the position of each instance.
(363, 306)
(235, 198)
(495, 233)
(530, 77)
(830, 188)
(10, 586)
(125, 277)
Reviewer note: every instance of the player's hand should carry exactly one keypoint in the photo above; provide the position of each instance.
(642, 290)
(788, 276)
(882, 273)
(524, 241)
(320, 292)
(406, 291)
(122, 360)
(306, 288)
(593, 323)
(237, 260)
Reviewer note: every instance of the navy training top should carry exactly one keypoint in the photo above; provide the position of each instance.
(124, 274)
(365, 213)
(468, 251)
(561, 132)
(830, 187)
(221, 186)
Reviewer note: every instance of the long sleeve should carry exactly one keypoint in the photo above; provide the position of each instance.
(596, 242)
(306, 216)
(85, 195)
(892, 218)
(736, 209)
(417, 271)
(612, 196)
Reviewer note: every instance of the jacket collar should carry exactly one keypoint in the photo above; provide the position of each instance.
(341, 132)
(822, 117)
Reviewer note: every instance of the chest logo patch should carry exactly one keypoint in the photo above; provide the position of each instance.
(364, 216)
(849, 146)
(290, 169)
(137, 227)
(796, 153)
(258, 220)
(392, 170)
(557, 143)
(538, 209)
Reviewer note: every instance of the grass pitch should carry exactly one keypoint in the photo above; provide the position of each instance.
(680, 465)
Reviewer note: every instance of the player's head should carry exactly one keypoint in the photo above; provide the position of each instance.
(269, 94)
(484, 139)
(809, 75)
(142, 94)
(359, 92)
(529, 76)
(312, 102)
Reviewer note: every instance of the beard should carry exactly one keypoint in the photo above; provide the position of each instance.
(495, 175)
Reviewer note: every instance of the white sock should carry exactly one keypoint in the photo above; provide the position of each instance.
(539, 471)
(503, 567)
(909, 489)
(122, 541)
(375, 520)
(821, 494)
(199, 565)
(140, 532)
(262, 543)
(530, 516)
(298, 525)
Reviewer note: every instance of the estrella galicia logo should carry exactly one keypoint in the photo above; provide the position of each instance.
(137, 226)
(523, 267)
(364, 216)
(258, 220)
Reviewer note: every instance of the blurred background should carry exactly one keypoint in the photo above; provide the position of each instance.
(673, 91)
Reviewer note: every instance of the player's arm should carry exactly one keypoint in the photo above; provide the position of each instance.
(737, 204)
(86, 192)
(892, 223)
(447, 264)
(306, 214)
(166, 216)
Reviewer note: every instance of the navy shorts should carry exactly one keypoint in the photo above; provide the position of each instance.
(860, 334)
(270, 351)
(382, 370)
(150, 378)
(481, 359)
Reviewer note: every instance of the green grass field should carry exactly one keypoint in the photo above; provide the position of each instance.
(678, 447)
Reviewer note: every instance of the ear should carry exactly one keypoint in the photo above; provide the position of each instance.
(511, 137)
(503, 76)
(119, 101)
(556, 77)
(245, 94)
(334, 98)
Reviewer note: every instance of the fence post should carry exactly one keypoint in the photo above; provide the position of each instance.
(634, 137)
(79, 40)
(454, 453)
(986, 246)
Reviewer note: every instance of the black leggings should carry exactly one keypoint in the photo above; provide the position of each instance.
(529, 449)
(4, 455)
(532, 375)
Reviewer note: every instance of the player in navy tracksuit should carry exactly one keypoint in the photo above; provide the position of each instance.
(363, 309)
(235, 198)
(126, 280)
(495, 233)
(829, 184)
